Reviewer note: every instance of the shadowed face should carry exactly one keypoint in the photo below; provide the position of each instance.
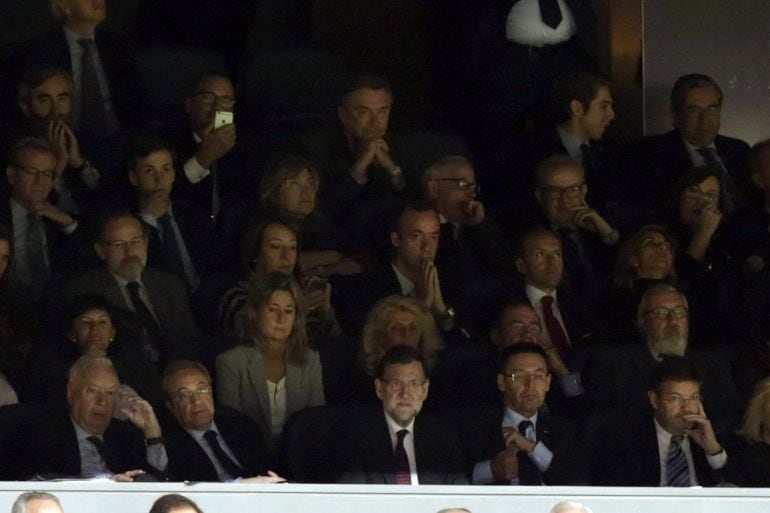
(663, 321)
(593, 122)
(675, 400)
(92, 398)
(50, 101)
(92, 332)
(402, 390)
(365, 114)
(525, 392)
(124, 247)
(192, 402)
(542, 264)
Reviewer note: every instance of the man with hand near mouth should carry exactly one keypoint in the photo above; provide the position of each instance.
(89, 442)
(677, 447)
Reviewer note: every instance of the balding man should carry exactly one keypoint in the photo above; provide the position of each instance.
(36, 502)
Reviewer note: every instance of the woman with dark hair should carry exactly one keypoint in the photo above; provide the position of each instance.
(289, 191)
(703, 265)
(90, 327)
(273, 373)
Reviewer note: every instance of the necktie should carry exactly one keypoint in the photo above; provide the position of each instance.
(400, 460)
(38, 269)
(550, 12)
(528, 472)
(729, 191)
(229, 465)
(555, 331)
(93, 116)
(99, 447)
(677, 471)
(147, 320)
(170, 245)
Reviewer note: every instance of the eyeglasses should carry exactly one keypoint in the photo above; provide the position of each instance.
(520, 327)
(187, 396)
(656, 244)
(209, 98)
(37, 174)
(462, 184)
(680, 400)
(522, 376)
(695, 111)
(661, 312)
(398, 385)
(694, 192)
(122, 244)
(571, 192)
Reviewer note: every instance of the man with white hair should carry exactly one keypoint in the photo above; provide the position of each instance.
(36, 502)
(570, 507)
(617, 377)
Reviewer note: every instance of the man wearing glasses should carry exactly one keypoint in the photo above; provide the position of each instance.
(44, 236)
(395, 443)
(207, 152)
(677, 447)
(522, 444)
(205, 443)
(696, 106)
(157, 299)
(472, 253)
(617, 377)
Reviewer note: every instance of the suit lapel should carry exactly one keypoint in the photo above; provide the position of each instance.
(258, 377)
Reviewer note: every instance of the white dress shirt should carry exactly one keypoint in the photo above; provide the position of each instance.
(715, 461)
(393, 429)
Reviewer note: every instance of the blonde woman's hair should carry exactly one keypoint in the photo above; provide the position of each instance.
(376, 331)
(753, 419)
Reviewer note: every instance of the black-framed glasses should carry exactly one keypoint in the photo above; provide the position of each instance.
(462, 184)
(209, 98)
(122, 244)
(571, 192)
(37, 174)
(520, 327)
(662, 312)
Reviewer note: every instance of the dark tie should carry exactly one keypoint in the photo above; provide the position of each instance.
(170, 246)
(528, 472)
(729, 191)
(150, 325)
(38, 270)
(677, 471)
(552, 324)
(99, 447)
(401, 461)
(550, 12)
(93, 116)
(229, 465)
(577, 262)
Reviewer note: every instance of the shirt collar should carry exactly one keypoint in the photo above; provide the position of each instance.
(405, 283)
(72, 37)
(535, 295)
(198, 434)
(394, 427)
(17, 209)
(571, 143)
(81, 433)
(122, 282)
(514, 418)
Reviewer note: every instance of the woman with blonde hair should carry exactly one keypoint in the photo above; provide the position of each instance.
(749, 462)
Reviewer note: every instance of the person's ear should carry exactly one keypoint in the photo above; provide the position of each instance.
(576, 108)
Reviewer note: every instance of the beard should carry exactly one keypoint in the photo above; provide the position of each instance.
(672, 341)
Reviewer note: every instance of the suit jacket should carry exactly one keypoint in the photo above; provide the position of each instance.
(168, 295)
(618, 377)
(354, 296)
(482, 440)
(628, 455)
(365, 451)
(187, 461)
(118, 59)
(242, 384)
(52, 448)
(662, 159)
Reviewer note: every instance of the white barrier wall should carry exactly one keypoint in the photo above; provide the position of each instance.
(106, 497)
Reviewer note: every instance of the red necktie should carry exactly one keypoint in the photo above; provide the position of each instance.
(555, 331)
(400, 460)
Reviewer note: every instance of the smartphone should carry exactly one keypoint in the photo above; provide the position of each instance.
(222, 118)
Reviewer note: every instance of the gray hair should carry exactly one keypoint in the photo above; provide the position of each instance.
(567, 505)
(20, 504)
(658, 288)
(86, 363)
(447, 510)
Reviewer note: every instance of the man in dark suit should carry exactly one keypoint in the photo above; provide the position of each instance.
(411, 272)
(696, 104)
(534, 447)
(617, 377)
(677, 447)
(89, 442)
(207, 444)
(179, 232)
(45, 237)
(395, 444)
(472, 255)
(158, 299)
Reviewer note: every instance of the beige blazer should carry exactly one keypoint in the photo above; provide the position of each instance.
(242, 384)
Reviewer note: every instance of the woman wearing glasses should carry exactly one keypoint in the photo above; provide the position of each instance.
(273, 373)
